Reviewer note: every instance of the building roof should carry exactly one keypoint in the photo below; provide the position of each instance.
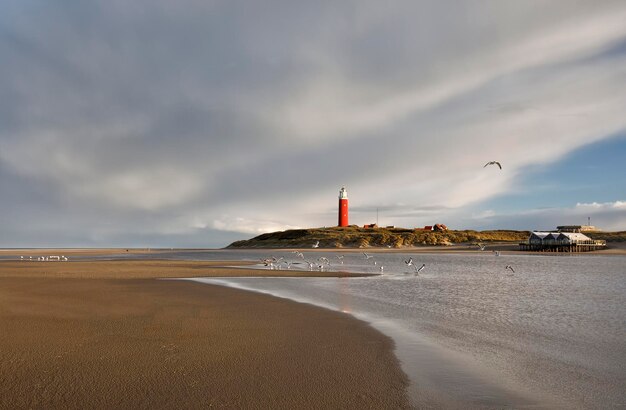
(575, 236)
(543, 234)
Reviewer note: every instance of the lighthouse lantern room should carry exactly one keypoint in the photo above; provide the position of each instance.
(343, 207)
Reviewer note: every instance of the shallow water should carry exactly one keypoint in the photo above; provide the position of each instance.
(471, 334)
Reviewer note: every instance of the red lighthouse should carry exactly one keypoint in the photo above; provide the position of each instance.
(343, 207)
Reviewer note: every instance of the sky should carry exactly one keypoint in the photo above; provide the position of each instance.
(197, 123)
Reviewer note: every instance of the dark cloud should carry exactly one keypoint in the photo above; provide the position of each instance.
(159, 122)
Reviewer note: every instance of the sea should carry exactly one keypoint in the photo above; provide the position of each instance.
(548, 332)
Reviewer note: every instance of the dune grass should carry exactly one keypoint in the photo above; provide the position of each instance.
(357, 237)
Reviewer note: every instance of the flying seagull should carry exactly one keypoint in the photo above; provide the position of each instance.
(493, 163)
(316, 244)
(409, 262)
(324, 261)
(510, 268)
(367, 256)
(417, 271)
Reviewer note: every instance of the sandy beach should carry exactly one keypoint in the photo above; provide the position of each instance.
(109, 335)
(135, 269)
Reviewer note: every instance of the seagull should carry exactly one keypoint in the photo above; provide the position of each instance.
(340, 257)
(510, 268)
(497, 253)
(417, 271)
(367, 256)
(310, 265)
(382, 268)
(316, 244)
(493, 163)
(409, 262)
(481, 246)
(324, 261)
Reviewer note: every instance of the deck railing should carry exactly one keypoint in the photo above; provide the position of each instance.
(552, 245)
(597, 242)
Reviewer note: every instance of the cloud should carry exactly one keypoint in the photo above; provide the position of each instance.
(250, 226)
(608, 216)
(156, 119)
(617, 205)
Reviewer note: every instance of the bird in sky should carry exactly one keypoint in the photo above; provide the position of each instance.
(367, 256)
(493, 163)
(316, 244)
(340, 257)
(409, 262)
(509, 267)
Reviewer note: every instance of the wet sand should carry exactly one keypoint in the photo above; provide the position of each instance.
(146, 268)
(116, 341)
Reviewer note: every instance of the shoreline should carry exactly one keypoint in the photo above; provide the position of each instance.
(613, 248)
(123, 339)
(426, 363)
